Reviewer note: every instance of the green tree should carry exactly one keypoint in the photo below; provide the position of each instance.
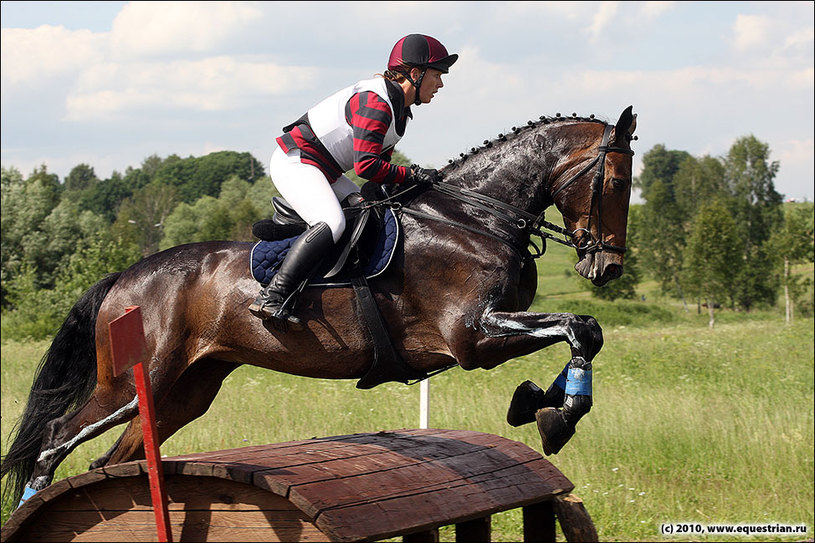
(712, 256)
(203, 176)
(663, 237)
(152, 164)
(81, 177)
(25, 206)
(659, 164)
(66, 230)
(697, 182)
(105, 197)
(36, 313)
(757, 210)
(229, 217)
(141, 217)
(794, 243)
(13, 188)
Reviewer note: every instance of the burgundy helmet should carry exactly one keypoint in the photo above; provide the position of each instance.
(421, 51)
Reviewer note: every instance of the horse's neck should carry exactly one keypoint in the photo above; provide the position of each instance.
(512, 175)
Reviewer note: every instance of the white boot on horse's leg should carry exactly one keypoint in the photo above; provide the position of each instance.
(274, 301)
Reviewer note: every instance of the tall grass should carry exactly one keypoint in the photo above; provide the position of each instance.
(689, 424)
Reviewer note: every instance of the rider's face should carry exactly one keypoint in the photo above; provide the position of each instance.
(430, 85)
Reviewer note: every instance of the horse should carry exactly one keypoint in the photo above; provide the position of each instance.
(456, 293)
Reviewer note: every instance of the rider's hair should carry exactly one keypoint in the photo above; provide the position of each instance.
(398, 76)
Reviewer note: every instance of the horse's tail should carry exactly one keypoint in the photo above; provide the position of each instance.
(64, 380)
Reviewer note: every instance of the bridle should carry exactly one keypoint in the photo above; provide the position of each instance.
(594, 244)
(533, 225)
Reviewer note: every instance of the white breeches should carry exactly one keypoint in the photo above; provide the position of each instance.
(307, 190)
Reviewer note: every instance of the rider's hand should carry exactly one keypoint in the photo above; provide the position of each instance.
(424, 175)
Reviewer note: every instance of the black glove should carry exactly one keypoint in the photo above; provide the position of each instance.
(424, 175)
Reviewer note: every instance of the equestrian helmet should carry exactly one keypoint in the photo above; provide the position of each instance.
(421, 51)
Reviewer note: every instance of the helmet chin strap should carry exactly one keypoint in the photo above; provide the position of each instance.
(417, 85)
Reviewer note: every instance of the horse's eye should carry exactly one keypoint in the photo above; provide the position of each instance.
(618, 184)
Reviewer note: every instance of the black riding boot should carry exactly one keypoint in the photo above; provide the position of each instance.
(303, 257)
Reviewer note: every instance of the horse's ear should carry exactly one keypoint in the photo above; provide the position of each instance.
(626, 124)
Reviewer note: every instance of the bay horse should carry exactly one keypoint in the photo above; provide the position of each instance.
(456, 292)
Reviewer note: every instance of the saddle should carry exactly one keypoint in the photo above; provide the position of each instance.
(367, 246)
(364, 251)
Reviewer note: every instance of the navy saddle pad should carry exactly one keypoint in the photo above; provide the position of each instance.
(266, 256)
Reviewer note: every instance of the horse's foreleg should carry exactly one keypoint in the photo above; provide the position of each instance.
(572, 389)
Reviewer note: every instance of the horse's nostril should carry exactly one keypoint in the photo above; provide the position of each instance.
(614, 271)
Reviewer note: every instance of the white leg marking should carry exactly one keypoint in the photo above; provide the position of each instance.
(78, 438)
(507, 327)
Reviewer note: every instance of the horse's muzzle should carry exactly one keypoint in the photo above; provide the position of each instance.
(611, 272)
(599, 267)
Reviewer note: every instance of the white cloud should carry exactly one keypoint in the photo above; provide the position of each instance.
(795, 156)
(165, 71)
(751, 31)
(147, 29)
(799, 40)
(110, 90)
(773, 40)
(33, 56)
(652, 10)
(603, 16)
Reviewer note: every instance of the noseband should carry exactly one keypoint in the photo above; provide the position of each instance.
(594, 244)
(528, 222)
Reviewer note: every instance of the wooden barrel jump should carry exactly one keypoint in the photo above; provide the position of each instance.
(359, 487)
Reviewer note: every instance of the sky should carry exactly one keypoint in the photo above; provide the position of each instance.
(108, 84)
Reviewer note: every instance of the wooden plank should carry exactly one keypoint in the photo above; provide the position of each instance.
(201, 509)
(359, 486)
(187, 526)
(539, 523)
(479, 529)
(439, 506)
(426, 477)
(425, 536)
(371, 459)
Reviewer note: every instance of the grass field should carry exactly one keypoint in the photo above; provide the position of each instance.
(690, 424)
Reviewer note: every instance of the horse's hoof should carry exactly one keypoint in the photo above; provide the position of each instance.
(554, 431)
(525, 401)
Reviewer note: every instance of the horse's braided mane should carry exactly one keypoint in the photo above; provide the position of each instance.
(501, 138)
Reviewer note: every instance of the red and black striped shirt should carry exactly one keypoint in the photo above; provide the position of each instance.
(369, 117)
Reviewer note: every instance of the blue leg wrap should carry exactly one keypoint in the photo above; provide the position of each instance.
(578, 382)
(578, 399)
(27, 493)
(561, 380)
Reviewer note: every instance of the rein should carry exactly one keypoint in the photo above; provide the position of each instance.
(533, 225)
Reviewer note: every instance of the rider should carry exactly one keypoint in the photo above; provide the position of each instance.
(357, 128)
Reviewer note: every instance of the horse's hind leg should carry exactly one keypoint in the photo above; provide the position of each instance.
(64, 434)
(103, 460)
(189, 398)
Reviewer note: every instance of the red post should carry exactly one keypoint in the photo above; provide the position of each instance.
(130, 350)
